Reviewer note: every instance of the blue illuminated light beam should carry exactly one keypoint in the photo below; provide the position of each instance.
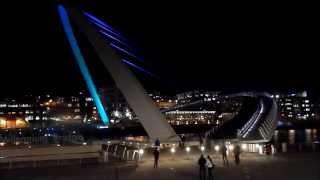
(138, 67)
(122, 50)
(95, 19)
(106, 29)
(111, 37)
(81, 63)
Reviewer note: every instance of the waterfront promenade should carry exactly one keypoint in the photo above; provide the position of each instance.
(291, 166)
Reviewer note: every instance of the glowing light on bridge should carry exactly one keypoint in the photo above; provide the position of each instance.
(137, 67)
(81, 63)
(98, 21)
(122, 50)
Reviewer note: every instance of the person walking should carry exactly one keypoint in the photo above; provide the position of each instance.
(224, 154)
(156, 154)
(202, 165)
(210, 166)
(236, 153)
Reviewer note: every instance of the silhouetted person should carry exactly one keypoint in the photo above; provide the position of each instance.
(183, 139)
(224, 154)
(156, 154)
(268, 149)
(236, 153)
(157, 142)
(210, 166)
(202, 167)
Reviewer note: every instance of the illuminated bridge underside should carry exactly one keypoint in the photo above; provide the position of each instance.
(149, 115)
(260, 127)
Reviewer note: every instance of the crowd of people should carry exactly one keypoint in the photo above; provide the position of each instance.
(206, 164)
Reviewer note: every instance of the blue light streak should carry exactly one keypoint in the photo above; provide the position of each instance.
(122, 50)
(137, 67)
(106, 29)
(110, 36)
(81, 63)
(99, 21)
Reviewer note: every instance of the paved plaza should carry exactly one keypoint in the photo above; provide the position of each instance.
(298, 166)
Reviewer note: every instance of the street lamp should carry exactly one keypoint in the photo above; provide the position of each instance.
(217, 148)
(172, 150)
(141, 151)
(188, 149)
(202, 148)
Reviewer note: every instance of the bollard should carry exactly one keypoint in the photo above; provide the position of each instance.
(105, 156)
(124, 152)
(284, 147)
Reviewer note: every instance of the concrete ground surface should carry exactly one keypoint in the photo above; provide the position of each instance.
(297, 166)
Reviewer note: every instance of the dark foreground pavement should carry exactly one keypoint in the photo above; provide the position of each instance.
(298, 166)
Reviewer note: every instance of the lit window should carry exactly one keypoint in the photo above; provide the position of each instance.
(76, 110)
(29, 118)
(89, 99)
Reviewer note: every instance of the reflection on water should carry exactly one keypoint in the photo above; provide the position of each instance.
(314, 134)
(292, 136)
(308, 136)
(276, 136)
(304, 136)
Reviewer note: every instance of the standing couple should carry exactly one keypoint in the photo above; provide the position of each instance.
(206, 164)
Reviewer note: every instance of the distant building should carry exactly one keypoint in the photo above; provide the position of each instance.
(116, 105)
(193, 96)
(202, 107)
(295, 107)
(17, 113)
(42, 111)
(162, 101)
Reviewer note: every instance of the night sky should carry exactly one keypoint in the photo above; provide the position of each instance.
(185, 50)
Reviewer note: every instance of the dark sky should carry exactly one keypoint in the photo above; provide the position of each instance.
(186, 50)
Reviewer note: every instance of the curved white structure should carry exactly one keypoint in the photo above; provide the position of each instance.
(260, 127)
(149, 115)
